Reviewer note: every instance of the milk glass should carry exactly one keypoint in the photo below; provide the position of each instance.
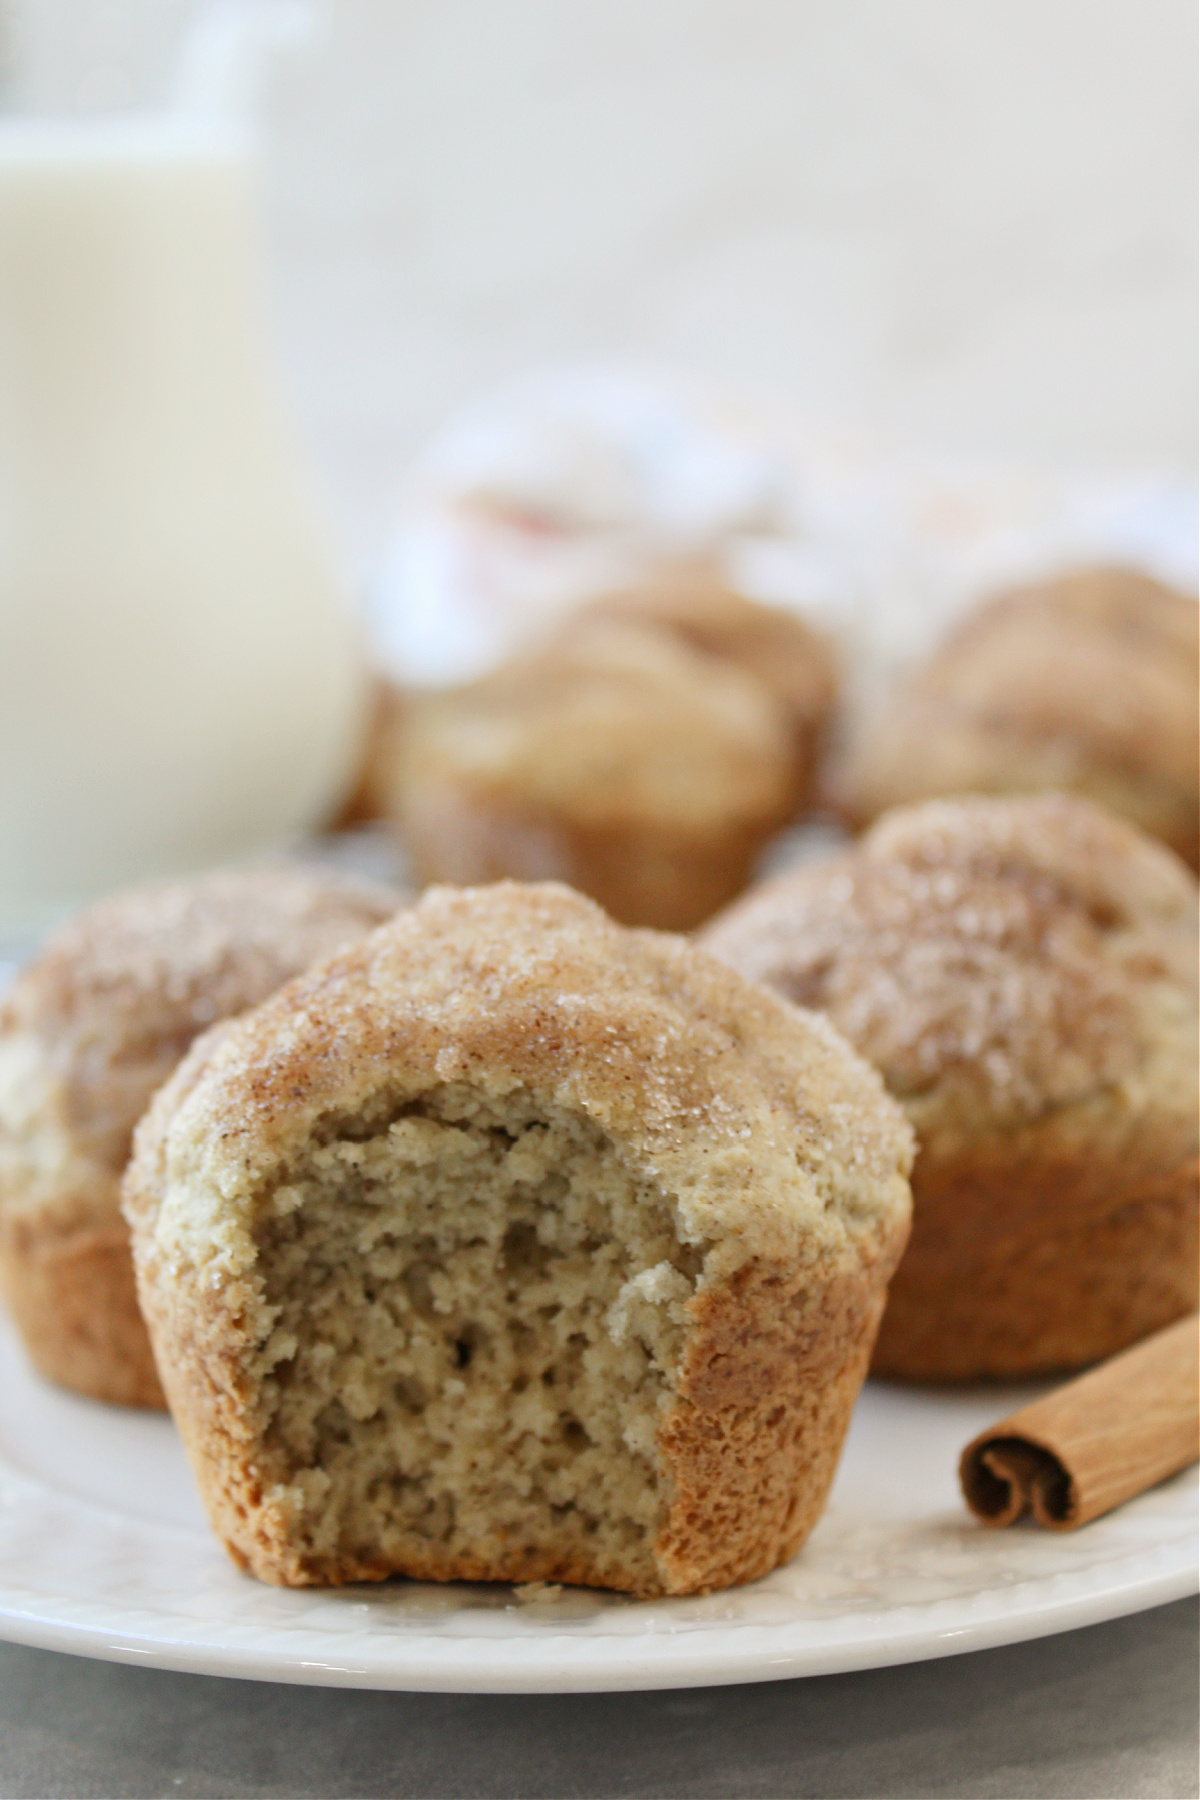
(180, 679)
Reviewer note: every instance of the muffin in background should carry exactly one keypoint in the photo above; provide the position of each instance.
(1086, 684)
(792, 660)
(614, 758)
(365, 800)
(88, 1032)
(1022, 973)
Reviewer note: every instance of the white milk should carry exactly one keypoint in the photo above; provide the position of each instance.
(179, 680)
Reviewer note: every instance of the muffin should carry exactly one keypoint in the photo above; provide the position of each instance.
(512, 1245)
(615, 758)
(1023, 974)
(382, 735)
(1086, 684)
(791, 660)
(87, 1033)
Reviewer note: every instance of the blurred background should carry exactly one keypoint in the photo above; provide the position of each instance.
(389, 330)
(960, 227)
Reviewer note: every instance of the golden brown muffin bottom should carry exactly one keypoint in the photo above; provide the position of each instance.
(73, 1298)
(752, 1445)
(652, 876)
(1047, 1301)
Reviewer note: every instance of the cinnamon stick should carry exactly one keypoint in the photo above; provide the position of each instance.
(1098, 1441)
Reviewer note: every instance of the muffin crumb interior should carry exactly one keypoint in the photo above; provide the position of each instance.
(470, 1327)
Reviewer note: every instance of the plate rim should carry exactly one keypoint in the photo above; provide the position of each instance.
(83, 1574)
(425, 1663)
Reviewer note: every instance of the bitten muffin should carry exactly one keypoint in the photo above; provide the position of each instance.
(791, 660)
(87, 1033)
(512, 1245)
(1087, 684)
(614, 758)
(1023, 974)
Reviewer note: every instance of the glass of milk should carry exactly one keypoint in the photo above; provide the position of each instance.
(180, 679)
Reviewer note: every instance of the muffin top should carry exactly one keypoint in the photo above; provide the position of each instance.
(1087, 683)
(775, 1140)
(101, 1017)
(998, 961)
(611, 723)
(794, 662)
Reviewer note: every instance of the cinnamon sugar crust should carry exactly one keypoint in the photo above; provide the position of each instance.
(1087, 683)
(87, 1033)
(1023, 974)
(790, 659)
(513, 1245)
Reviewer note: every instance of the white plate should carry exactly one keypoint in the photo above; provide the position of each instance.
(104, 1552)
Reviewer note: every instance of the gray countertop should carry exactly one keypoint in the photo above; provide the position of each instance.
(1108, 1713)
